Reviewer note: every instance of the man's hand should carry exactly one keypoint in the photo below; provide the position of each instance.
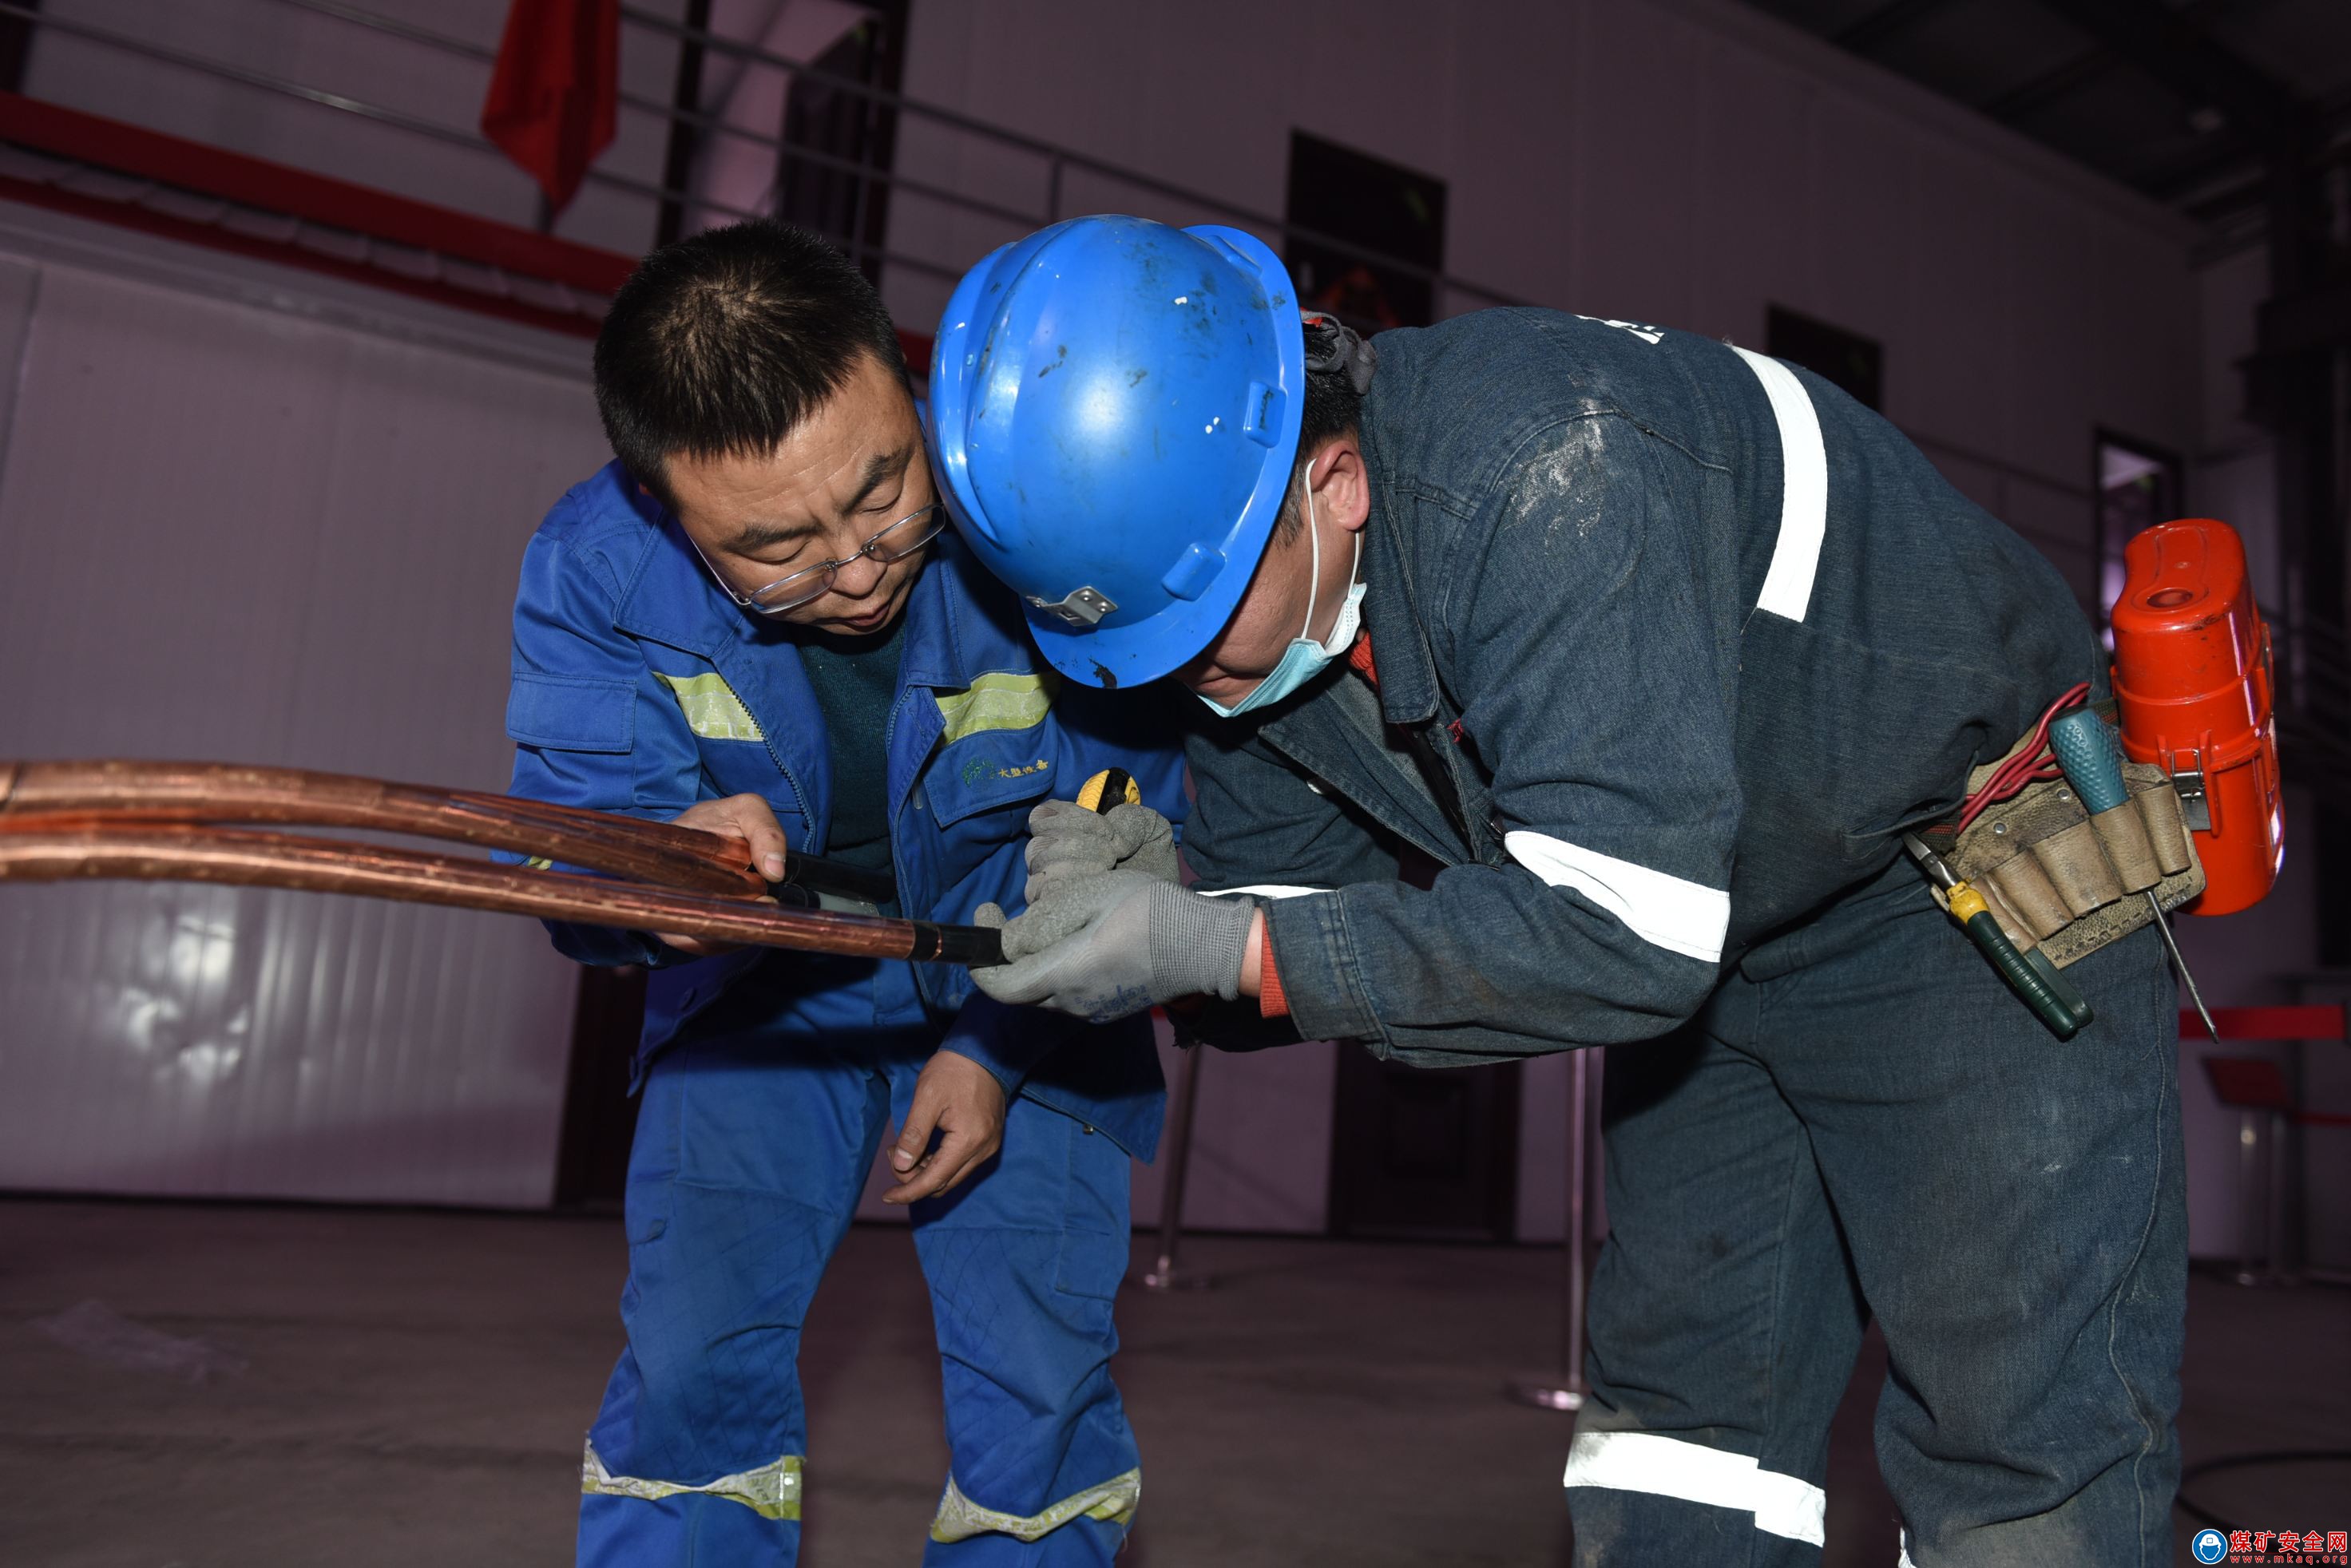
(1069, 841)
(1105, 945)
(960, 1100)
(746, 817)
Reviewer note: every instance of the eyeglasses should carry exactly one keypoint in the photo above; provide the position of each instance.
(894, 543)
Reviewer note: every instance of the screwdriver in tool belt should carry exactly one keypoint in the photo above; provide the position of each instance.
(2032, 976)
(2092, 757)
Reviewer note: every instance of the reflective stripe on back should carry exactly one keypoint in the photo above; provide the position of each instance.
(1804, 492)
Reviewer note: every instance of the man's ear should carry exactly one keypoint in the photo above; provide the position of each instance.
(1344, 495)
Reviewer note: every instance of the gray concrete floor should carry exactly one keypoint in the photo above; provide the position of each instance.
(263, 1388)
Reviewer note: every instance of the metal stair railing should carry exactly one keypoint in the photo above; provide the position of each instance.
(1055, 162)
(2314, 715)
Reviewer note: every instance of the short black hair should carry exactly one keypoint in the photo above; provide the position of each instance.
(721, 344)
(1333, 409)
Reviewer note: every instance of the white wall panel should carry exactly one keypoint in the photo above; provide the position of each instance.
(1952, 363)
(2230, 293)
(238, 533)
(1757, 126)
(1686, 161)
(1637, 241)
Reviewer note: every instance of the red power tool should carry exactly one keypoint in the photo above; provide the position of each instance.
(2195, 687)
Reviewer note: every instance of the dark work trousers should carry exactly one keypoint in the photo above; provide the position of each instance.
(1863, 1120)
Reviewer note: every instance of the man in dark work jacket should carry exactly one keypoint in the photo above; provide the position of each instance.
(1655, 646)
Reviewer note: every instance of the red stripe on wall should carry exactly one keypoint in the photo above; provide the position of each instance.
(2268, 1023)
(274, 187)
(321, 199)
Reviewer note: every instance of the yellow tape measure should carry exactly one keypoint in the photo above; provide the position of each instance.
(1109, 789)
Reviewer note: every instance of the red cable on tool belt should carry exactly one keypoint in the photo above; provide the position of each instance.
(2033, 763)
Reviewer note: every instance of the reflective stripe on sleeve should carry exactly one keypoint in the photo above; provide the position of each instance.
(1668, 1466)
(711, 709)
(996, 702)
(1113, 1502)
(1663, 911)
(771, 1491)
(1803, 491)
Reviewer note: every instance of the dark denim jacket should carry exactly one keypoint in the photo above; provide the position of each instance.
(1685, 688)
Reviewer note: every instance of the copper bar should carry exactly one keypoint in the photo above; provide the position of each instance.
(59, 792)
(63, 793)
(247, 859)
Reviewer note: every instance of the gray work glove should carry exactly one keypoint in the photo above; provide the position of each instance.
(1110, 944)
(1068, 841)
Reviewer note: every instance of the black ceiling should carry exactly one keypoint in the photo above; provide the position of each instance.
(2182, 99)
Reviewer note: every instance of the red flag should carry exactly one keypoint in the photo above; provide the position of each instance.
(553, 92)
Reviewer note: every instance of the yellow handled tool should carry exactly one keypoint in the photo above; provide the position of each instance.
(2034, 979)
(1109, 789)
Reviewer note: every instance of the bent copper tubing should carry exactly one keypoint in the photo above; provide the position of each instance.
(37, 851)
(90, 793)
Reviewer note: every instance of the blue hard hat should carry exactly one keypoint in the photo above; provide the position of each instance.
(1114, 408)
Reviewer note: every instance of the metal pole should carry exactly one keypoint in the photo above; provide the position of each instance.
(1163, 1275)
(1565, 1390)
(2251, 1212)
(2280, 1270)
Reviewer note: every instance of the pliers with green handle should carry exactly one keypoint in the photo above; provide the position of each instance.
(2034, 979)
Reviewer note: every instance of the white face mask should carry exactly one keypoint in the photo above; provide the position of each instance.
(1304, 658)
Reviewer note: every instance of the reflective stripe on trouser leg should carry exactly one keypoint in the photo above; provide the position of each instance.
(1782, 1505)
(771, 1491)
(1113, 1502)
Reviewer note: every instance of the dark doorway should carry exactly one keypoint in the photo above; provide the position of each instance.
(1431, 1153)
(1426, 1153)
(600, 1116)
(1847, 359)
(1363, 214)
(15, 46)
(828, 123)
(2137, 487)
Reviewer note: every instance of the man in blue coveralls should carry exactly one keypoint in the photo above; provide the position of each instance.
(752, 621)
(1655, 646)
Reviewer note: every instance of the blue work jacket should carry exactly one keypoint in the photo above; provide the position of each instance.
(1685, 636)
(640, 687)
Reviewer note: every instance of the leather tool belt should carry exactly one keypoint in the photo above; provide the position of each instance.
(2059, 879)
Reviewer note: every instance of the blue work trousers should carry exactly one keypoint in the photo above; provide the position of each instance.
(1864, 1120)
(749, 1157)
